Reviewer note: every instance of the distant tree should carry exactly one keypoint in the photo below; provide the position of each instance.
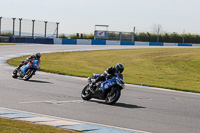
(62, 36)
(157, 29)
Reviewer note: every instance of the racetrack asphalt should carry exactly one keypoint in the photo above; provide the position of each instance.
(139, 108)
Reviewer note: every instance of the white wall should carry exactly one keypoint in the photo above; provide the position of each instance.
(108, 42)
(57, 41)
(84, 42)
(170, 44)
(141, 43)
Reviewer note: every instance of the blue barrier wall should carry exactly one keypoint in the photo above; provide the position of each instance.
(19, 39)
(39, 40)
(155, 44)
(89, 42)
(29, 40)
(98, 42)
(181, 44)
(12, 39)
(69, 41)
(127, 43)
(44, 40)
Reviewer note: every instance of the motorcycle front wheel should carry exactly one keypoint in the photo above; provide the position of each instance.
(111, 99)
(29, 73)
(86, 94)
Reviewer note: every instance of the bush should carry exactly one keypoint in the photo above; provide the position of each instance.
(6, 34)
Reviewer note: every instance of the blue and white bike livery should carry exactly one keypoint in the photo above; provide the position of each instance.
(27, 71)
(109, 90)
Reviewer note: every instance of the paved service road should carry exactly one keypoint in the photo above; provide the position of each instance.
(139, 108)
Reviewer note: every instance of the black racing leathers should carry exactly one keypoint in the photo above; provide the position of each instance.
(110, 72)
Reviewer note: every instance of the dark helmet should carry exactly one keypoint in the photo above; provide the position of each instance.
(119, 67)
(38, 55)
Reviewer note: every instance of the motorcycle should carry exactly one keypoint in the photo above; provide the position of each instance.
(27, 71)
(109, 90)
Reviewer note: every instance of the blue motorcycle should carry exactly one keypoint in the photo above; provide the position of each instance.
(27, 71)
(109, 90)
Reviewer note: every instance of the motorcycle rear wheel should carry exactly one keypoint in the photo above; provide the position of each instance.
(86, 94)
(14, 75)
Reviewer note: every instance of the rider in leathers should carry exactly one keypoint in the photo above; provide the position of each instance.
(29, 59)
(110, 72)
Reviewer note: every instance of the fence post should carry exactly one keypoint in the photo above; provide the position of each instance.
(120, 36)
(57, 30)
(0, 25)
(13, 26)
(133, 36)
(45, 32)
(33, 28)
(183, 36)
(20, 24)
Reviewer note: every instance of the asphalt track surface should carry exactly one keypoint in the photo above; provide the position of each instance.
(139, 108)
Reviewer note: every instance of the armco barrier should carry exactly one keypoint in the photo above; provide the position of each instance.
(69, 41)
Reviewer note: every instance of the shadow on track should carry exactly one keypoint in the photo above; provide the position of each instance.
(123, 105)
(39, 81)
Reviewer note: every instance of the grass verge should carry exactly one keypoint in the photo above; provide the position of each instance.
(15, 126)
(172, 68)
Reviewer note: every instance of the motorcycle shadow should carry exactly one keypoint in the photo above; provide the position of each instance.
(123, 105)
(39, 81)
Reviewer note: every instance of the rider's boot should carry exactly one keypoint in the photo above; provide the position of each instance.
(93, 86)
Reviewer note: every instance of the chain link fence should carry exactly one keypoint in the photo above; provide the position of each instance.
(25, 27)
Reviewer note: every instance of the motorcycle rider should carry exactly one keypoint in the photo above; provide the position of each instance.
(29, 59)
(109, 73)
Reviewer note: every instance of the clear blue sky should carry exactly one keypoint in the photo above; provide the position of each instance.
(80, 16)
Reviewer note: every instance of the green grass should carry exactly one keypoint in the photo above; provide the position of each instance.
(172, 68)
(7, 43)
(14, 126)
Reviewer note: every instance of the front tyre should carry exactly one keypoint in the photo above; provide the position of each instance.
(111, 99)
(86, 93)
(29, 73)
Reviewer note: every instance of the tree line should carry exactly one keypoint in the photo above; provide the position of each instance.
(151, 37)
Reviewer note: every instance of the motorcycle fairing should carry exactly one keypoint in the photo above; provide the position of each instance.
(108, 83)
(34, 65)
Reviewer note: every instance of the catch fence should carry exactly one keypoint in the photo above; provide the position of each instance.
(30, 28)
